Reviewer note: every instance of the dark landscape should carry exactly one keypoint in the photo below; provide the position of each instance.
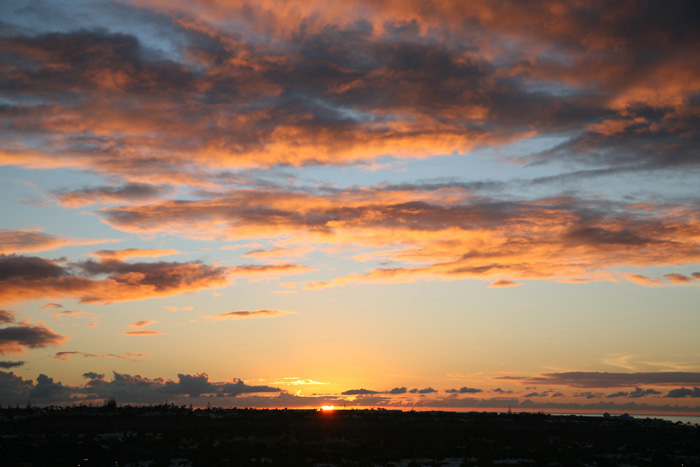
(169, 435)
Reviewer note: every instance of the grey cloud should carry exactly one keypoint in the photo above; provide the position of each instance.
(582, 379)
(637, 393)
(401, 390)
(359, 392)
(13, 388)
(129, 192)
(46, 390)
(15, 339)
(28, 268)
(93, 375)
(7, 316)
(137, 389)
(8, 365)
(683, 392)
(589, 394)
(191, 385)
(238, 387)
(463, 390)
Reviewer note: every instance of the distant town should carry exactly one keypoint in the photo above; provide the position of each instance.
(182, 436)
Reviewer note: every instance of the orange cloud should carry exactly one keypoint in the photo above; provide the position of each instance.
(504, 283)
(680, 278)
(17, 338)
(341, 82)
(24, 277)
(142, 332)
(131, 356)
(234, 315)
(33, 240)
(445, 232)
(140, 324)
(133, 253)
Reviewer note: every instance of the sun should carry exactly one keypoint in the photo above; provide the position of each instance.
(327, 408)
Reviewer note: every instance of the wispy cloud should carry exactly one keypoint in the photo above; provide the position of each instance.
(133, 253)
(34, 240)
(143, 332)
(594, 379)
(131, 356)
(140, 324)
(245, 314)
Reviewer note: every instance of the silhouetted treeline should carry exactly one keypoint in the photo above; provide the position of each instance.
(169, 435)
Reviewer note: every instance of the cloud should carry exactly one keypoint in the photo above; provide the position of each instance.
(7, 365)
(584, 379)
(16, 339)
(438, 232)
(173, 308)
(299, 382)
(674, 278)
(132, 192)
(93, 375)
(200, 390)
(140, 324)
(238, 387)
(58, 314)
(637, 393)
(683, 392)
(359, 392)
(46, 390)
(504, 283)
(131, 356)
(245, 314)
(25, 277)
(143, 332)
(265, 269)
(33, 240)
(643, 280)
(14, 388)
(589, 395)
(679, 278)
(401, 390)
(463, 390)
(126, 389)
(422, 391)
(341, 83)
(7, 316)
(133, 252)
(50, 306)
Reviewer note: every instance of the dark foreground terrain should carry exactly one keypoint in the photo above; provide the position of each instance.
(166, 435)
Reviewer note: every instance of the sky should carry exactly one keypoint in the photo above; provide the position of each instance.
(398, 204)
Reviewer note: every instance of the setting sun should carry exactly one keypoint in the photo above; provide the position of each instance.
(328, 408)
